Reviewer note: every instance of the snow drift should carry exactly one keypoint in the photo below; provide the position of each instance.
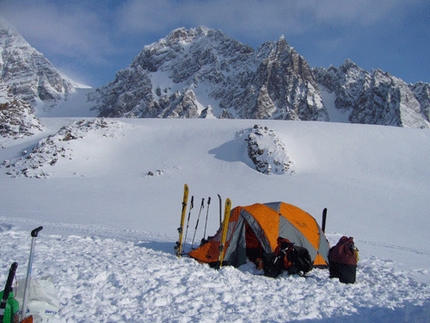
(110, 227)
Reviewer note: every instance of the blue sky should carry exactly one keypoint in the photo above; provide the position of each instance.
(91, 40)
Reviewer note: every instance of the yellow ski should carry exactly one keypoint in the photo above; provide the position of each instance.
(227, 209)
(179, 244)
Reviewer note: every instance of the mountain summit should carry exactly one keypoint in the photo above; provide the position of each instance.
(202, 72)
(26, 74)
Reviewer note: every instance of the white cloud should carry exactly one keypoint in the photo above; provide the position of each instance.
(62, 29)
(109, 33)
(82, 28)
(256, 17)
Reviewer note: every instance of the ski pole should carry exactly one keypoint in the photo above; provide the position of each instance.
(220, 209)
(7, 290)
(206, 222)
(198, 219)
(188, 220)
(34, 234)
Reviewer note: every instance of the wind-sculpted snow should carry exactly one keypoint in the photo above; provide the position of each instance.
(100, 279)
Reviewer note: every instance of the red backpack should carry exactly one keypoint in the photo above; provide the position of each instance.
(343, 258)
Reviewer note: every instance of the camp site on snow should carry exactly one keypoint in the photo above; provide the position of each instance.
(276, 237)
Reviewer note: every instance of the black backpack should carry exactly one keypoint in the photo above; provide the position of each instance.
(301, 260)
(294, 259)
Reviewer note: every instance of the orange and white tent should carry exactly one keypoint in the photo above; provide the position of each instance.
(258, 226)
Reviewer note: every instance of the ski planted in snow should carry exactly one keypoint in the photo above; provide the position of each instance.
(220, 209)
(188, 220)
(227, 209)
(324, 219)
(179, 244)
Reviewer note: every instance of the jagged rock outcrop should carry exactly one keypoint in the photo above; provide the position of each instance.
(17, 120)
(182, 74)
(376, 97)
(39, 162)
(27, 74)
(422, 94)
(266, 150)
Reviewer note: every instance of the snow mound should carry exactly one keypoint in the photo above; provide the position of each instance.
(267, 150)
(17, 120)
(50, 150)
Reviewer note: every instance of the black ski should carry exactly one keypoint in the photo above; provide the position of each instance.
(7, 291)
(324, 218)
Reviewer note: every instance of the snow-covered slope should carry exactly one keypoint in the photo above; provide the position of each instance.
(111, 205)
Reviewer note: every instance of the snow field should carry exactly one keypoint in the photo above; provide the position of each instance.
(115, 280)
(110, 227)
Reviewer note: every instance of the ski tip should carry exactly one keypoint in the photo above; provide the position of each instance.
(228, 201)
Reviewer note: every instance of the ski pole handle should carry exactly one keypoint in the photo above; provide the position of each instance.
(34, 234)
(36, 231)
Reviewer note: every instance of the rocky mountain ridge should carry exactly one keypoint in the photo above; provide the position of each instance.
(203, 73)
(376, 97)
(192, 72)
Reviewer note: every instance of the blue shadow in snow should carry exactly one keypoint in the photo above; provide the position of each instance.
(233, 151)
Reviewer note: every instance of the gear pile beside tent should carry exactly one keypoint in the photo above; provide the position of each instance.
(253, 232)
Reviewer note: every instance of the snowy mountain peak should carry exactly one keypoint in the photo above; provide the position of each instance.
(348, 64)
(27, 75)
(273, 82)
(187, 36)
(181, 75)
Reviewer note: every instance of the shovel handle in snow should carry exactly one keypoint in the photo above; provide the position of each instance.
(34, 235)
(7, 289)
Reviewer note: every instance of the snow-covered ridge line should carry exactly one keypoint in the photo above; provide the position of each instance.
(203, 73)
